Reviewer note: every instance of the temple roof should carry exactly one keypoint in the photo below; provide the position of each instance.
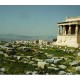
(70, 20)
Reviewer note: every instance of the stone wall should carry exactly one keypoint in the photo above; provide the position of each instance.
(70, 41)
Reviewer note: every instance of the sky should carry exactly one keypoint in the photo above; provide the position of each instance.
(34, 20)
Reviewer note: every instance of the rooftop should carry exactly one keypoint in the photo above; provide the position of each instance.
(72, 18)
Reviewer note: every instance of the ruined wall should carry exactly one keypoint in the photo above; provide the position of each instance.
(70, 41)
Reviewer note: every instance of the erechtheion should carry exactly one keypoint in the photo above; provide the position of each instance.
(69, 32)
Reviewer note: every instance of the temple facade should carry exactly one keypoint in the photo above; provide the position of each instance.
(69, 32)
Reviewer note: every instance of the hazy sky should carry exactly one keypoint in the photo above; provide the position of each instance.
(34, 20)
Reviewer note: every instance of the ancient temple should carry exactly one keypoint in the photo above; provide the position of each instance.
(69, 32)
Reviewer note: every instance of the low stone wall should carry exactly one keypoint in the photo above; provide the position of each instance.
(70, 41)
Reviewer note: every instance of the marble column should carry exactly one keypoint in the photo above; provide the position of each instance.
(69, 29)
(63, 30)
(59, 29)
(76, 30)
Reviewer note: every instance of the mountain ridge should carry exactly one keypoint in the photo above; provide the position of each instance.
(24, 37)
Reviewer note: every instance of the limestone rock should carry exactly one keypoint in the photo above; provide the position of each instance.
(6, 55)
(41, 64)
(74, 63)
(50, 67)
(68, 73)
(34, 73)
(49, 60)
(53, 65)
(25, 61)
(57, 61)
(78, 69)
(28, 72)
(31, 62)
(18, 57)
(29, 57)
(78, 53)
(62, 73)
(54, 68)
(62, 66)
(1, 52)
(2, 69)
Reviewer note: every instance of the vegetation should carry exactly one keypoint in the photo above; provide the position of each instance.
(23, 60)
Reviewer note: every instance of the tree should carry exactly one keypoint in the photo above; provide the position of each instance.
(54, 39)
(37, 41)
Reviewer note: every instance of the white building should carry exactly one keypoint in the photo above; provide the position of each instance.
(69, 32)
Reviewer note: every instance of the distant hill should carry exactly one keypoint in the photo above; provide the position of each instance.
(9, 37)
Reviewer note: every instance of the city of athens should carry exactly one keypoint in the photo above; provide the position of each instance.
(39, 39)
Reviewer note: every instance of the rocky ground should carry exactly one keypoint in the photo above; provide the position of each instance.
(33, 60)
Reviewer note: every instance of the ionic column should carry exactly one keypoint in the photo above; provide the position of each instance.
(69, 29)
(76, 30)
(59, 29)
(63, 30)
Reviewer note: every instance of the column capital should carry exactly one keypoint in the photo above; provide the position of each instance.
(58, 25)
